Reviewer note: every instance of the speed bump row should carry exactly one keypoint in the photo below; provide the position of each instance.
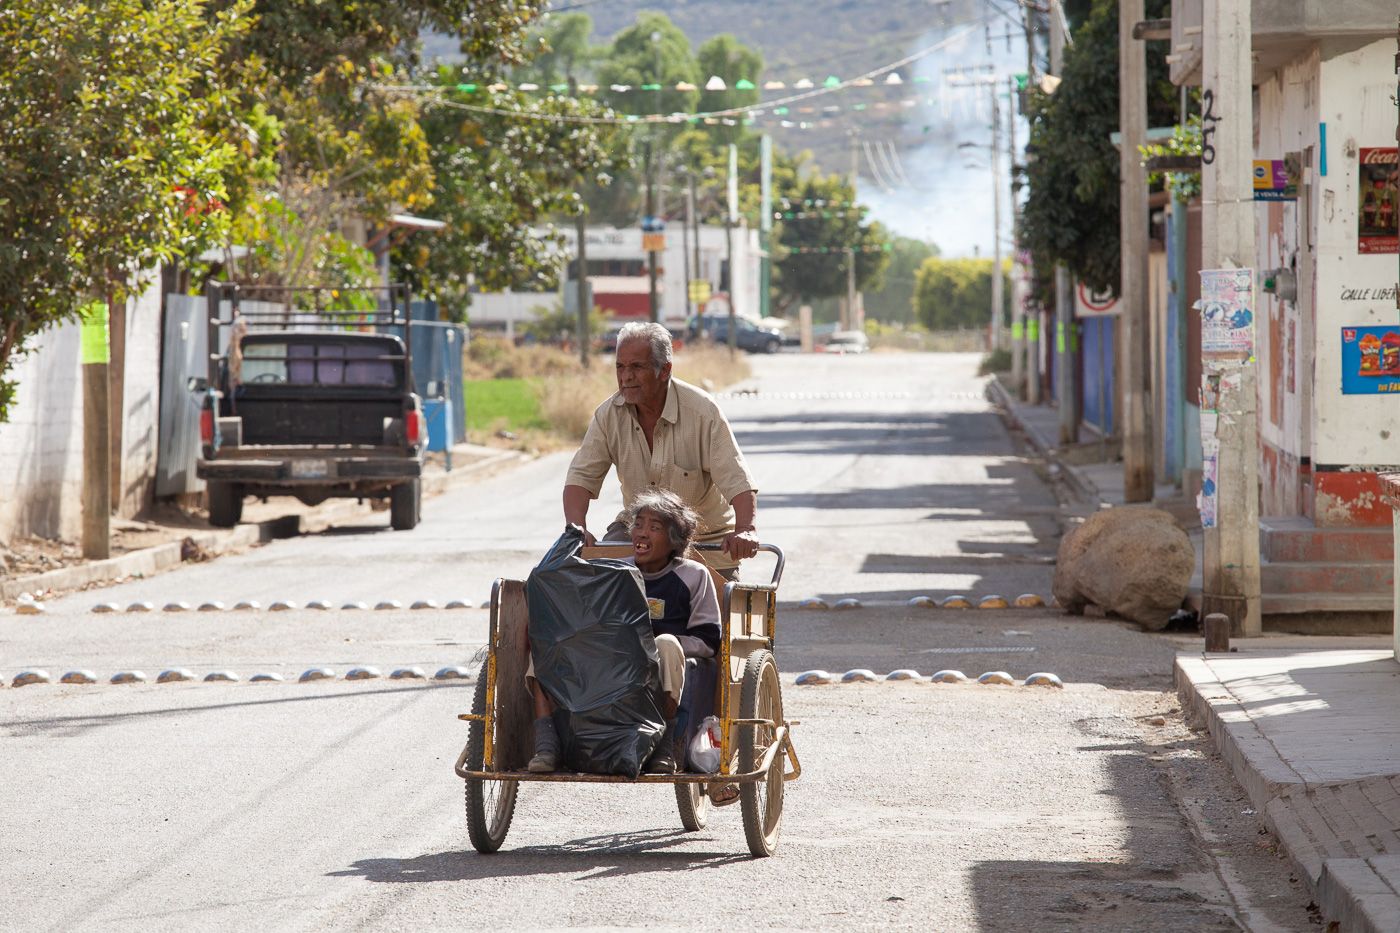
(863, 675)
(1024, 601)
(181, 674)
(286, 605)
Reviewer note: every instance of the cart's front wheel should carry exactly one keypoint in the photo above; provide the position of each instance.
(762, 801)
(694, 805)
(490, 804)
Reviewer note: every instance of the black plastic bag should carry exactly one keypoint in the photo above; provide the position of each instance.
(595, 657)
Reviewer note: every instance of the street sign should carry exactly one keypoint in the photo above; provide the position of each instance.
(654, 242)
(1089, 303)
(699, 290)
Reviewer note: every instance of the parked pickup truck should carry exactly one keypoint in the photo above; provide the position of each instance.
(315, 414)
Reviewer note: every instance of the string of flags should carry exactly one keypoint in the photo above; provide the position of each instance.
(715, 83)
(873, 248)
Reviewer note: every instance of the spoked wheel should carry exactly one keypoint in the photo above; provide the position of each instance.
(762, 801)
(490, 804)
(694, 804)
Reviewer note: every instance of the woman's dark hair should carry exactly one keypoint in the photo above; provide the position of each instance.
(680, 519)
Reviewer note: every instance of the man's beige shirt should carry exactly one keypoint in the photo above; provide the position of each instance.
(693, 454)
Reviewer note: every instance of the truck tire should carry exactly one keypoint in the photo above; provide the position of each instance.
(405, 502)
(771, 345)
(225, 504)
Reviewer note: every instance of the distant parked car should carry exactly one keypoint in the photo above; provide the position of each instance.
(755, 337)
(845, 341)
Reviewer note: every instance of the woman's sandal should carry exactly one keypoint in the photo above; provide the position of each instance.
(723, 794)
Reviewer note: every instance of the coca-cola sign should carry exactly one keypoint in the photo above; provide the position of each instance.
(1378, 201)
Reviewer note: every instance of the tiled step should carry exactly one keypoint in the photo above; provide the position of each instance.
(1296, 538)
(1342, 578)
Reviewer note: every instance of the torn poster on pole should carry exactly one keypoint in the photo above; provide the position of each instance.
(1227, 315)
(1206, 500)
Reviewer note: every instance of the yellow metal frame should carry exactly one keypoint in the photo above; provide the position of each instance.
(748, 594)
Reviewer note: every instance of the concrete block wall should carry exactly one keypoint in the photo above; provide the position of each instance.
(41, 446)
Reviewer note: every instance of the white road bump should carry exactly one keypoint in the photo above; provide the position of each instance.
(177, 606)
(129, 677)
(106, 607)
(388, 604)
(226, 677)
(316, 673)
(174, 675)
(424, 604)
(362, 673)
(78, 677)
(997, 678)
(1044, 679)
(141, 606)
(247, 605)
(458, 604)
(949, 677)
(319, 604)
(36, 676)
(486, 604)
(1029, 601)
(212, 606)
(30, 609)
(814, 678)
(860, 675)
(282, 605)
(813, 603)
(923, 602)
(407, 673)
(351, 607)
(993, 602)
(452, 673)
(849, 602)
(266, 679)
(904, 673)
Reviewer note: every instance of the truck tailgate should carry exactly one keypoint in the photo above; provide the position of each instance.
(291, 422)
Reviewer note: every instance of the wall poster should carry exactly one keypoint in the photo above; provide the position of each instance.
(1371, 360)
(1227, 314)
(1378, 197)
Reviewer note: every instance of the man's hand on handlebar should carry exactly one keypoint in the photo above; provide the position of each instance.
(741, 544)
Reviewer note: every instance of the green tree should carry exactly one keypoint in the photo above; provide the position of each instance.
(1071, 213)
(894, 303)
(954, 294)
(562, 51)
(495, 176)
(110, 162)
(650, 58)
(725, 57)
(812, 258)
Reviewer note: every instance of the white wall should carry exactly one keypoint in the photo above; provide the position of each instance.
(41, 447)
(1355, 103)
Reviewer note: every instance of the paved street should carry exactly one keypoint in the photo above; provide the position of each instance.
(333, 805)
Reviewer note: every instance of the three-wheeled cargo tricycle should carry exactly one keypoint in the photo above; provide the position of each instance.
(755, 740)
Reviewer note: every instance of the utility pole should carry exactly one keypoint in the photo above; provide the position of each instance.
(765, 222)
(694, 218)
(1231, 563)
(97, 464)
(848, 312)
(1136, 369)
(733, 208)
(998, 298)
(651, 253)
(585, 305)
(685, 256)
(1066, 336)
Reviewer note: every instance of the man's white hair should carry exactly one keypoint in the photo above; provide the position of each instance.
(657, 337)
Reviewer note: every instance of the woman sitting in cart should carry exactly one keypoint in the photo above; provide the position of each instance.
(684, 618)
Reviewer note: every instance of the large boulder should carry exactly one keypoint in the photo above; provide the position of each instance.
(1133, 561)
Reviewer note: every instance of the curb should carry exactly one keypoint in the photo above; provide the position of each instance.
(153, 560)
(1357, 893)
(1082, 487)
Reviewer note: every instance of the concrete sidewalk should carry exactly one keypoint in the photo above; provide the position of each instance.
(1310, 725)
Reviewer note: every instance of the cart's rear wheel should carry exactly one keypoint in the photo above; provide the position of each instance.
(694, 804)
(762, 801)
(490, 804)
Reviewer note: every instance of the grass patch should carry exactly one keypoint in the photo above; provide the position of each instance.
(508, 404)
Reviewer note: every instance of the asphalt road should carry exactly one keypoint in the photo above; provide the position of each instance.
(332, 805)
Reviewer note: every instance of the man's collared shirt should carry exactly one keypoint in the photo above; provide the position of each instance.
(693, 454)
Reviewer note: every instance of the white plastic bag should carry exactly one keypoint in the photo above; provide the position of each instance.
(704, 747)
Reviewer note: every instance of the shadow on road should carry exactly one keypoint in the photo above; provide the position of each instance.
(611, 855)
